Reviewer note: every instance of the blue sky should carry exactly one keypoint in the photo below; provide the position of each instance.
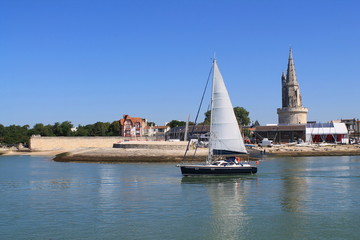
(89, 60)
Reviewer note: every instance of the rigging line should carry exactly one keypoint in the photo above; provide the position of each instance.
(197, 114)
(202, 129)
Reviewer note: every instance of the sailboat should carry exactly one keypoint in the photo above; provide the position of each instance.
(226, 144)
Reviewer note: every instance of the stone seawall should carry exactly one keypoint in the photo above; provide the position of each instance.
(158, 145)
(38, 143)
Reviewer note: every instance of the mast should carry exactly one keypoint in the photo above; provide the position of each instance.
(211, 137)
(186, 128)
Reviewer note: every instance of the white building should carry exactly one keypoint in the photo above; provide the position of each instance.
(156, 131)
(327, 132)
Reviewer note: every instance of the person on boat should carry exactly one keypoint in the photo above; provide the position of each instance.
(238, 161)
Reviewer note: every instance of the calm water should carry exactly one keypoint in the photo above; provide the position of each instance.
(289, 198)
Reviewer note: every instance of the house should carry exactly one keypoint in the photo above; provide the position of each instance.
(132, 126)
(353, 127)
(157, 132)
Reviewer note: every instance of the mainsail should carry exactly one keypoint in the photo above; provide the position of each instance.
(225, 136)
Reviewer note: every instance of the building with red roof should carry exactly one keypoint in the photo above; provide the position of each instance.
(132, 126)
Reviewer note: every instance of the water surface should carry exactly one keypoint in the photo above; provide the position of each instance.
(289, 198)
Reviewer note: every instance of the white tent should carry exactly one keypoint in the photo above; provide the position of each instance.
(326, 129)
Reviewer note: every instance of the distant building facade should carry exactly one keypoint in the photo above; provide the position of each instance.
(281, 133)
(200, 132)
(135, 127)
(157, 132)
(132, 126)
(312, 132)
(353, 127)
(292, 111)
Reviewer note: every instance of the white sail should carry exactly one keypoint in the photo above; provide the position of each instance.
(225, 136)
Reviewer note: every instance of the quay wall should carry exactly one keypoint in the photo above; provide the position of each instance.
(153, 145)
(38, 143)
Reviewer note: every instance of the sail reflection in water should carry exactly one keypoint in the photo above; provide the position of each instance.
(228, 198)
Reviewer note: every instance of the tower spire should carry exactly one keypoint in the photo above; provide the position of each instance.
(284, 89)
(291, 74)
(292, 111)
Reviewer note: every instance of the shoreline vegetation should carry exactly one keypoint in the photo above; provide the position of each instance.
(164, 152)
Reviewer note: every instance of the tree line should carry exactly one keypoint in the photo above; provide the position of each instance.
(241, 114)
(15, 134)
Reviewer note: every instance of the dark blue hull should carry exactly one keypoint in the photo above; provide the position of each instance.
(216, 170)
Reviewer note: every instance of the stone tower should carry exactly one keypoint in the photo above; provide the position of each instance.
(292, 111)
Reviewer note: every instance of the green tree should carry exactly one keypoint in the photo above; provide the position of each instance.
(114, 129)
(241, 114)
(40, 129)
(151, 124)
(247, 132)
(82, 130)
(14, 134)
(2, 133)
(207, 117)
(48, 130)
(176, 123)
(63, 129)
(99, 129)
(66, 128)
(56, 129)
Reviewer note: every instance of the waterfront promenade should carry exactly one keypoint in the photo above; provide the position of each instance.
(312, 150)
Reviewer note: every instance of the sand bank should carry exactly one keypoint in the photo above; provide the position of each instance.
(129, 155)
